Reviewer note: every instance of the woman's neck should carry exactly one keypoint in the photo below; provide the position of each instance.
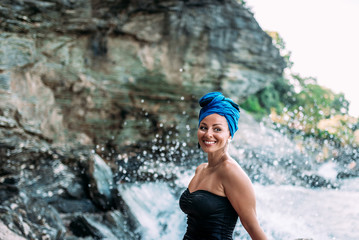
(216, 158)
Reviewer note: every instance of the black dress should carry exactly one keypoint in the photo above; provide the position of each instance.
(209, 216)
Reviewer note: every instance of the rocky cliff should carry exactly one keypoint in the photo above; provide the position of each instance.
(110, 74)
(120, 72)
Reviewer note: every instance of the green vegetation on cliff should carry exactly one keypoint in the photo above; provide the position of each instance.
(300, 104)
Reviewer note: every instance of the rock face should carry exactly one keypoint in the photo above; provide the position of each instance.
(55, 193)
(119, 72)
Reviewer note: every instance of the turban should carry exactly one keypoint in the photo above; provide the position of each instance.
(215, 102)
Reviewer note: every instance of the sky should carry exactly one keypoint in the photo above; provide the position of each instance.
(323, 37)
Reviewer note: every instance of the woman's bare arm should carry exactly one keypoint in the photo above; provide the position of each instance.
(239, 190)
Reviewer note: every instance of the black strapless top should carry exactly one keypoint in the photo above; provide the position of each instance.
(209, 216)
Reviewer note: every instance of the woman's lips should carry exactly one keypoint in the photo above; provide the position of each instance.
(206, 142)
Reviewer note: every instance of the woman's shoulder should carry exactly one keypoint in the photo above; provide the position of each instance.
(201, 167)
(234, 177)
(230, 168)
(230, 164)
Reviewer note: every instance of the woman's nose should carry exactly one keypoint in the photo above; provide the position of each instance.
(209, 133)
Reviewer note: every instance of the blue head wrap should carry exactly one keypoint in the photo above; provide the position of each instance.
(215, 102)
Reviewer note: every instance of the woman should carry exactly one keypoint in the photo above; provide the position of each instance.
(220, 190)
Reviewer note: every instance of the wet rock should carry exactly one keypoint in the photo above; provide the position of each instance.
(35, 186)
(348, 159)
(7, 122)
(43, 189)
(347, 174)
(84, 226)
(100, 182)
(11, 180)
(316, 181)
(32, 218)
(75, 190)
(43, 215)
(50, 177)
(74, 205)
(39, 211)
(8, 181)
(7, 191)
(123, 227)
(131, 223)
(6, 233)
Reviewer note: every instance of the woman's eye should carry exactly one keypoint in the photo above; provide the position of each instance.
(217, 129)
(202, 128)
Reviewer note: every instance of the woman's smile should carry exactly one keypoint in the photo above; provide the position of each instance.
(209, 143)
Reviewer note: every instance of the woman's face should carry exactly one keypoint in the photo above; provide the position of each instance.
(213, 133)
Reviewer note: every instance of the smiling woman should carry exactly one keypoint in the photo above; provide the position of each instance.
(213, 133)
(220, 190)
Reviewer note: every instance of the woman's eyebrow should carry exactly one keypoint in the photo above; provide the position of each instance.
(216, 124)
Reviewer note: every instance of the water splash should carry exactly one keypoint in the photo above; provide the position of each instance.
(292, 212)
(284, 211)
(156, 207)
